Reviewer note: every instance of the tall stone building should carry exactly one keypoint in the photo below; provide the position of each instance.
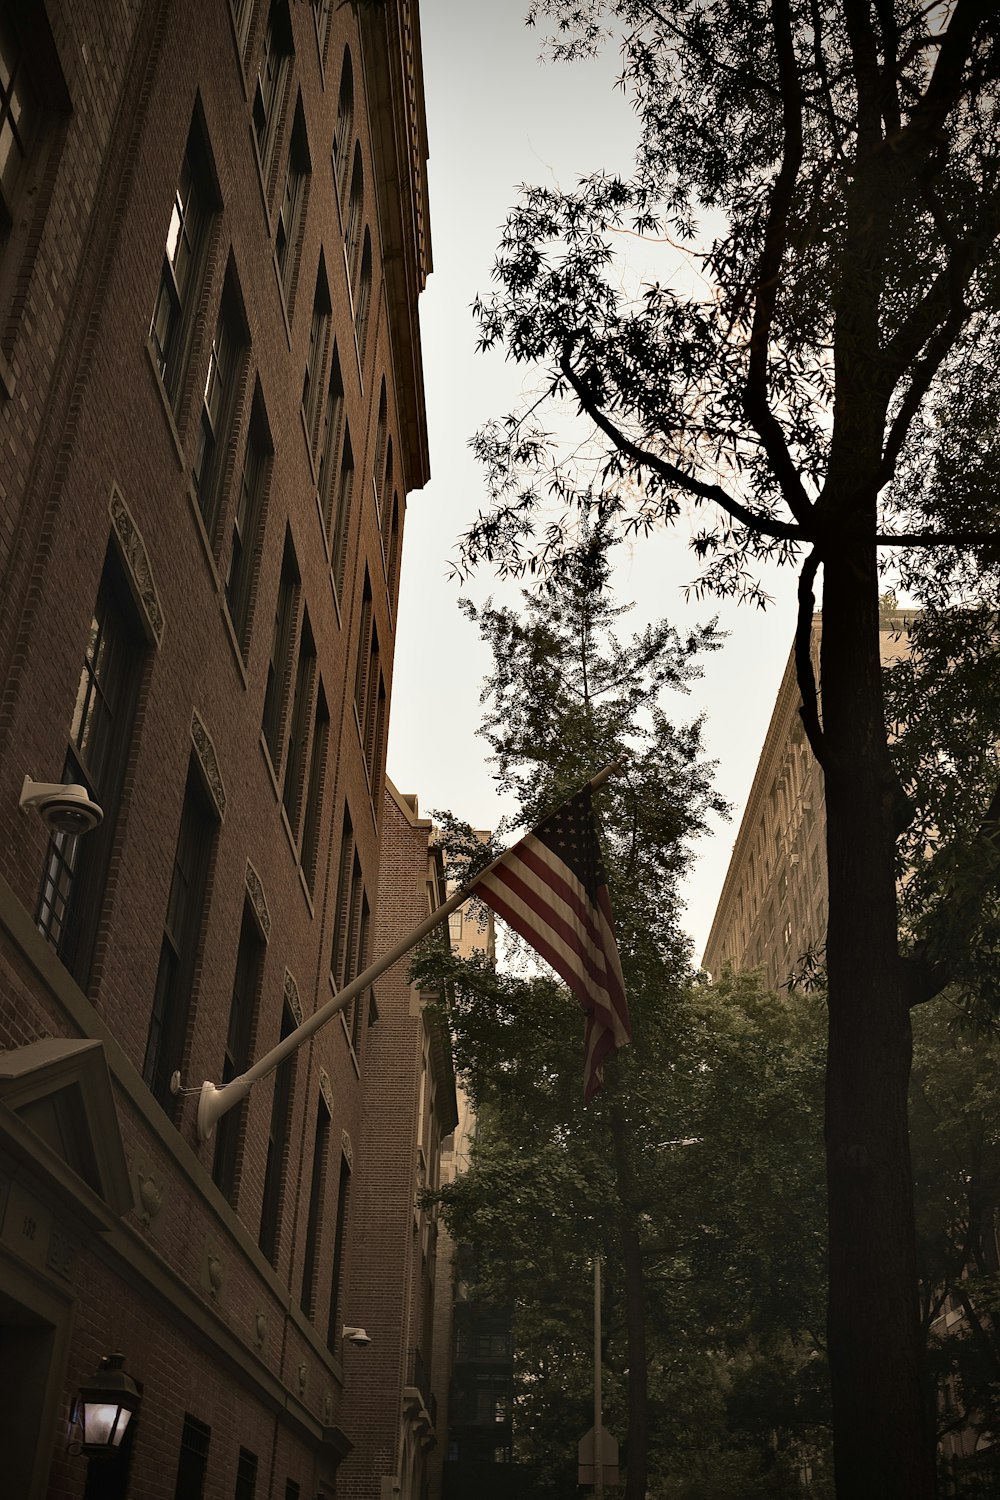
(772, 909)
(213, 232)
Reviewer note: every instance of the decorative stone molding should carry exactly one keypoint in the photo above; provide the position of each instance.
(213, 1270)
(136, 559)
(326, 1089)
(347, 1148)
(260, 1329)
(150, 1196)
(292, 997)
(258, 901)
(209, 761)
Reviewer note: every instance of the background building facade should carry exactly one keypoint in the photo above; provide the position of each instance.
(213, 232)
(773, 905)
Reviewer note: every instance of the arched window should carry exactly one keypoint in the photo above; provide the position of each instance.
(345, 123)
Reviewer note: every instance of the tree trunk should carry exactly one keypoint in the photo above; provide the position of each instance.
(883, 1449)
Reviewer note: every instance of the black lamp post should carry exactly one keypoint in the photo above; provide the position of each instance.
(107, 1404)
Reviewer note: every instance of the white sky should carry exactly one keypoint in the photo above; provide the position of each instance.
(498, 117)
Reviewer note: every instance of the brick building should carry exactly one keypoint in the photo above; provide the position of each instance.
(410, 1109)
(213, 232)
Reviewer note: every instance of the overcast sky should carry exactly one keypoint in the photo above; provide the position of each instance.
(498, 117)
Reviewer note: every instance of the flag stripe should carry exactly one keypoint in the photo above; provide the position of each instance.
(540, 912)
(543, 863)
(551, 888)
(565, 958)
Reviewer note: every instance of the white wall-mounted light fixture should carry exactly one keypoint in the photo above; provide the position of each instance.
(64, 807)
(356, 1336)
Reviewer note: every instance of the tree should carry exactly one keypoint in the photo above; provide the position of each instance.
(811, 395)
(678, 1175)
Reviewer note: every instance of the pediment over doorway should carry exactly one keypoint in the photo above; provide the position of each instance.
(58, 1117)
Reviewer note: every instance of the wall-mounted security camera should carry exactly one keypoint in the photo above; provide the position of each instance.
(65, 807)
(356, 1336)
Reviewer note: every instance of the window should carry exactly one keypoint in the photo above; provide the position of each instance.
(381, 435)
(359, 1008)
(333, 1339)
(242, 17)
(369, 689)
(333, 415)
(248, 517)
(385, 494)
(321, 16)
(362, 665)
(344, 129)
(246, 1476)
(239, 1042)
(455, 927)
(297, 749)
(392, 554)
(338, 963)
(317, 1194)
(19, 116)
(218, 407)
(270, 87)
(168, 1022)
(291, 216)
(355, 206)
(392, 551)
(363, 297)
(319, 330)
(342, 512)
(32, 93)
(174, 314)
(292, 1491)
(314, 795)
(280, 662)
(277, 1146)
(193, 1461)
(75, 872)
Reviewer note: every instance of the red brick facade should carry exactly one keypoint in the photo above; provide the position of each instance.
(196, 621)
(410, 1107)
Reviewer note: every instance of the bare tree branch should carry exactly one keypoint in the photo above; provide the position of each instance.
(755, 395)
(762, 524)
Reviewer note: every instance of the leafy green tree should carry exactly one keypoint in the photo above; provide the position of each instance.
(674, 1174)
(810, 392)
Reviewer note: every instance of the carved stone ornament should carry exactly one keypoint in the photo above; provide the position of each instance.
(326, 1089)
(205, 751)
(258, 901)
(303, 1377)
(347, 1148)
(216, 1273)
(260, 1329)
(327, 1408)
(292, 997)
(150, 1196)
(136, 559)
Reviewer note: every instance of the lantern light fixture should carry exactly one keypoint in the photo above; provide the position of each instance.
(106, 1405)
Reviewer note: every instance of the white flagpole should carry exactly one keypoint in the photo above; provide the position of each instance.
(214, 1102)
(598, 1404)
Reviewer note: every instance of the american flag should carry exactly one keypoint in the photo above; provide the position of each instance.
(552, 889)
